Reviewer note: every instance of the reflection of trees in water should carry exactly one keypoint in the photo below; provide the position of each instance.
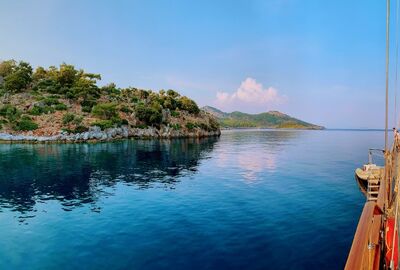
(76, 174)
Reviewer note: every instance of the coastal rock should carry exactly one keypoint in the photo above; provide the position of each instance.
(96, 134)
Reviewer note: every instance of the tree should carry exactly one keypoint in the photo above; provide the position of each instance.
(189, 105)
(172, 93)
(19, 79)
(105, 110)
(7, 67)
(67, 75)
(148, 115)
(39, 74)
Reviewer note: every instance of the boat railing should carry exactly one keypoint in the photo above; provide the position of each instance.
(372, 151)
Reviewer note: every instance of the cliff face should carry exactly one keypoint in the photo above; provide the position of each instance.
(66, 104)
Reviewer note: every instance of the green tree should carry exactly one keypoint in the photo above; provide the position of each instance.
(189, 105)
(105, 110)
(7, 67)
(19, 79)
(39, 74)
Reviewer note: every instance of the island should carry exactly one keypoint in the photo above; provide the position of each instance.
(65, 104)
(271, 119)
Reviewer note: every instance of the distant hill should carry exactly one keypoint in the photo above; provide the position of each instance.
(271, 119)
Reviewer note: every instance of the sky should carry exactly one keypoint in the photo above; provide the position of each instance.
(320, 61)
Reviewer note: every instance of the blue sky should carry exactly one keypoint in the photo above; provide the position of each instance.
(321, 61)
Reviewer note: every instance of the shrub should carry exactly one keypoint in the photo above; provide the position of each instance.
(176, 126)
(60, 107)
(10, 112)
(86, 109)
(214, 125)
(87, 105)
(148, 115)
(68, 118)
(190, 126)
(103, 124)
(25, 124)
(51, 101)
(189, 105)
(204, 126)
(105, 110)
(18, 78)
(78, 120)
(175, 114)
(80, 129)
(125, 109)
(36, 110)
(142, 126)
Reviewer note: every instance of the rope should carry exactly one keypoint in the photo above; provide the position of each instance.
(397, 206)
(387, 72)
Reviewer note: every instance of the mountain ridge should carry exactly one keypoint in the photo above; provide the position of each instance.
(270, 119)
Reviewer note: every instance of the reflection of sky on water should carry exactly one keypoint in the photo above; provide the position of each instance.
(260, 157)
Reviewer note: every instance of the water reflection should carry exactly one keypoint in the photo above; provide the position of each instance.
(269, 146)
(76, 174)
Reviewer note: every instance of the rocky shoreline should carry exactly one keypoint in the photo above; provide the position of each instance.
(95, 134)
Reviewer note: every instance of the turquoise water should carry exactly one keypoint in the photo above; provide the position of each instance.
(257, 199)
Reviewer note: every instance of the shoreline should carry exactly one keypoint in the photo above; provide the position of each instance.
(95, 134)
(271, 128)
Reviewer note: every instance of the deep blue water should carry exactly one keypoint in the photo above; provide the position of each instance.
(248, 200)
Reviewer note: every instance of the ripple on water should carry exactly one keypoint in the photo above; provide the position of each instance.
(260, 199)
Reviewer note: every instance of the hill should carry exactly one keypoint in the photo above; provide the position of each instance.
(64, 103)
(272, 119)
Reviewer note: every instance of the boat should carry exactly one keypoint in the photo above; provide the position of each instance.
(375, 244)
(369, 176)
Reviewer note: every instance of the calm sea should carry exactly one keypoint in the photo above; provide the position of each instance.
(251, 199)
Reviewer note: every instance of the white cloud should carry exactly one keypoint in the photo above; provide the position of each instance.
(250, 93)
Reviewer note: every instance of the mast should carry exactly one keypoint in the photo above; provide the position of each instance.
(387, 73)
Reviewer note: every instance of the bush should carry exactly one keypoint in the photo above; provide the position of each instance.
(87, 105)
(105, 111)
(18, 78)
(103, 124)
(60, 107)
(10, 112)
(68, 118)
(86, 109)
(36, 110)
(148, 115)
(141, 126)
(25, 124)
(125, 109)
(175, 114)
(176, 126)
(189, 105)
(78, 120)
(51, 101)
(190, 126)
(80, 129)
(214, 125)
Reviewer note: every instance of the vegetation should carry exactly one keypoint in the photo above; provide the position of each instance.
(25, 124)
(272, 119)
(70, 99)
